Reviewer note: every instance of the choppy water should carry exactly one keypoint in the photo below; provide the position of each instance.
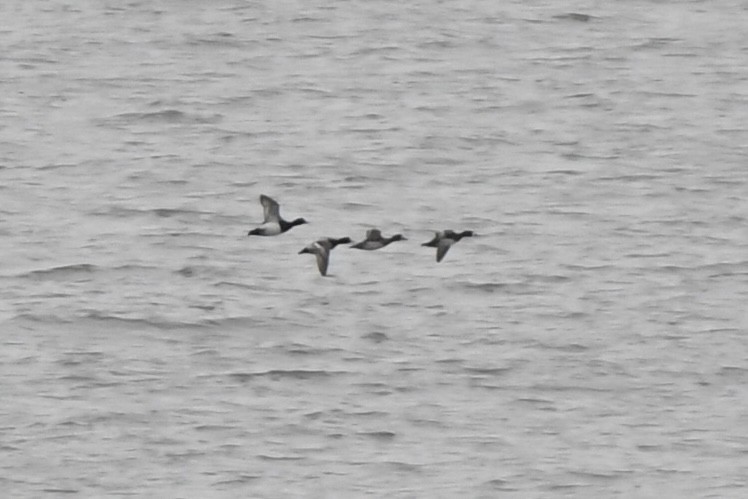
(591, 342)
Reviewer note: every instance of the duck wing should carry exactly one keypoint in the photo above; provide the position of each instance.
(442, 248)
(373, 235)
(270, 209)
(323, 258)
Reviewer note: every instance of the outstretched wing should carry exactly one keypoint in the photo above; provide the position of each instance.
(373, 235)
(270, 209)
(442, 249)
(323, 257)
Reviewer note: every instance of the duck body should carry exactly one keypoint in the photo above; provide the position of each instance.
(273, 224)
(321, 250)
(375, 241)
(444, 240)
(275, 228)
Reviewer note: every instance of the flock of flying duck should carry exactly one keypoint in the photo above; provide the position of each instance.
(273, 224)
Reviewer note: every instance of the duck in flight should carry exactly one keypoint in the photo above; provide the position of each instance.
(443, 240)
(321, 249)
(273, 224)
(374, 240)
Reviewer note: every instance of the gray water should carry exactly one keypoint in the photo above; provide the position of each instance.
(590, 341)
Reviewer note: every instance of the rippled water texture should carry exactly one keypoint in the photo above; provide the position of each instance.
(590, 341)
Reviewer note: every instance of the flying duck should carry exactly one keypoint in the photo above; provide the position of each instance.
(321, 249)
(443, 240)
(374, 240)
(273, 224)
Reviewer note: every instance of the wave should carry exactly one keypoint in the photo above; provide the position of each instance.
(170, 324)
(486, 287)
(169, 116)
(77, 270)
(278, 374)
(719, 269)
(378, 435)
(574, 16)
(240, 285)
(125, 212)
(63, 271)
(98, 318)
(266, 457)
(487, 371)
(172, 212)
(376, 337)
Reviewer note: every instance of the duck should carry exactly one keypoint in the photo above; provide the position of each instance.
(321, 249)
(273, 224)
(443, 240)
(375, 241)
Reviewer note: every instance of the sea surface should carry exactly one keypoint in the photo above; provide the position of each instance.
(591, 341)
